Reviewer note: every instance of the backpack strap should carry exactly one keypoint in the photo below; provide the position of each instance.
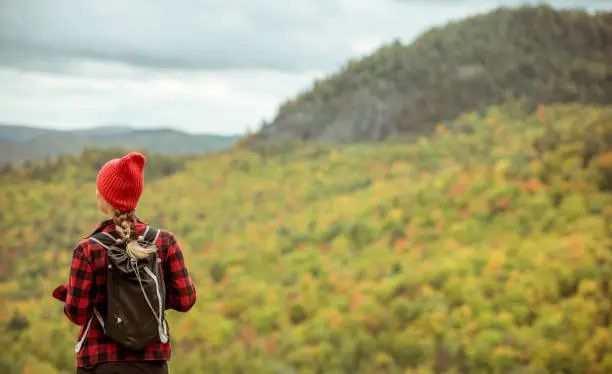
(150, 235)
(105, 239)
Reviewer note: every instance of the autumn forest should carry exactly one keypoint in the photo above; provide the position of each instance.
(483, 246)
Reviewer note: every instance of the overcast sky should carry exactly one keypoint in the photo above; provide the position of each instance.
(196, 65)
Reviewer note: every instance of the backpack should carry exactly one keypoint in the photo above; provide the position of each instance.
(136, 294)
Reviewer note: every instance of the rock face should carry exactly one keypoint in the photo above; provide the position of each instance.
(362, 115)
(535, 54)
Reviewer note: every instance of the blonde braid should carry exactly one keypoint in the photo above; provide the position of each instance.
(123, 224)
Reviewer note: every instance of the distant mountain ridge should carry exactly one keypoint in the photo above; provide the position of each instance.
(12, 132)
(530, 54)
(19, 143)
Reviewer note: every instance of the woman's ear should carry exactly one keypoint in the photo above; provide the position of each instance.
(102, 204)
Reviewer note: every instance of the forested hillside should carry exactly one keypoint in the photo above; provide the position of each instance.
(534, 53)
(481, 249)
(84, 167)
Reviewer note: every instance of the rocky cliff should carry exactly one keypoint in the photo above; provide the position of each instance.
(535, 55)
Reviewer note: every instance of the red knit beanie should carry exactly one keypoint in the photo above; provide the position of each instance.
(120, 181)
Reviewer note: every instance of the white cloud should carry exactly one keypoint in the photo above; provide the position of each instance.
(219, 102)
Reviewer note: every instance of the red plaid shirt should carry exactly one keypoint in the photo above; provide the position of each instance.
(87, 288)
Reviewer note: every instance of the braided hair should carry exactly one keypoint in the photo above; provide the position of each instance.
(124, 222)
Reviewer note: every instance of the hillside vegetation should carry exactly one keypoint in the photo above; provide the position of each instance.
(535, 54)
(19, 144)
(485, 250)
(71, 167)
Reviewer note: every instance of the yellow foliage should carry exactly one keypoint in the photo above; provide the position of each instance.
(496, 261)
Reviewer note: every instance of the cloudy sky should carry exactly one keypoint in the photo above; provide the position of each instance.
(196, 65)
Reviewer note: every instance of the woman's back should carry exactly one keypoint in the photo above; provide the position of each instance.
(86, 292)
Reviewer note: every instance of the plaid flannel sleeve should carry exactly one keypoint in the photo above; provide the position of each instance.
(79, 296)
(180, 289)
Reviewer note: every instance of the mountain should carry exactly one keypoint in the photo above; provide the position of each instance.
(534, 54)
(20, 133)
(23, 143)
(10, 132)
(485, 251)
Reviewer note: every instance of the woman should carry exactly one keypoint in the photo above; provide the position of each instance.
(119, 187)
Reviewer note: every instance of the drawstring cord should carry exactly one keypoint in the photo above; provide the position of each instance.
(133, 263)
(163, 334)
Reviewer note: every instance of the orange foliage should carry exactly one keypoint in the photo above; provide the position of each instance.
(271, 346)
(400, 245)
(356, 300)
(542, 112)
(417, 250)
(490, 120)
(248, 335)
(502, 204)
(457, 190)
(412, 230)
(576, 245)
(532, 185)
(464, 213)
(604, 161)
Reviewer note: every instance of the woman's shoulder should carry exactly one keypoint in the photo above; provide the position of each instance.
(166, 239)
(166, 235)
